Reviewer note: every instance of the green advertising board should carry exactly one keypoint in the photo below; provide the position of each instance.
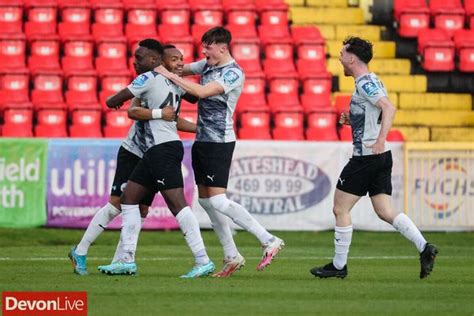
(23, 182)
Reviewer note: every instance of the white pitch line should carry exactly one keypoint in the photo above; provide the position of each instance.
(251, 258)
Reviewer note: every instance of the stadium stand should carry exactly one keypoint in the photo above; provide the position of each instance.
(61, 59)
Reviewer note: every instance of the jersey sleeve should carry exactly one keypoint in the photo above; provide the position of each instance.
(231, 78)
(198, 66)
(371, 90)
(141, 84)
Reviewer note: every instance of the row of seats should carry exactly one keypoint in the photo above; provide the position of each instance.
(107, 18)
(319, 126)
(82, 53)
(438, 50)
(411, 16)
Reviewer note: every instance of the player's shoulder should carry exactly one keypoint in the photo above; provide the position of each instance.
(232, 72)
(144, 78)
(368, 84)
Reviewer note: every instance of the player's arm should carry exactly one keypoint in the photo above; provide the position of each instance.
(388, 115)
(185, 126)
(190, 98)
(187, 70)
(345, 118)
(116, 100)
(138, 113)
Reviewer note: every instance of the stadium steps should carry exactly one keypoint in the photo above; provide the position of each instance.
(393, 83)
(382, 49)
(439, 101)
(325, 3)
(306, 15)
(448, 134)
(435, 118)
(296, 3)
(414, 134)
(381, 66)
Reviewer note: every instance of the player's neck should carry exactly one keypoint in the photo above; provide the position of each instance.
(360, 71)
(225, 59)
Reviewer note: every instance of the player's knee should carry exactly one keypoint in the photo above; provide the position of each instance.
(338, 211)
(205, 203)
(220, 202)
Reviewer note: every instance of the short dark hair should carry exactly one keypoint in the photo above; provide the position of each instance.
(359, 47)
(153, 45)
(218, 35)
(168, 46)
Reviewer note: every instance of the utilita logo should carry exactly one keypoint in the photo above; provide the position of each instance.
(44, 303)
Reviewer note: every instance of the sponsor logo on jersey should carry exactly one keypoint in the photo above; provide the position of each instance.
(140, 81)
(371, 89)
(230, 77)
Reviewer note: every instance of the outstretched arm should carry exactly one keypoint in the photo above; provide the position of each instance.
(200, 91)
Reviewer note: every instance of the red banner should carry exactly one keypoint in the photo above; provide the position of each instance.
(44, 303)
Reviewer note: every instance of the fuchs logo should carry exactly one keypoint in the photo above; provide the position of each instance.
(44, 303)
(269, 185)
(446, 188)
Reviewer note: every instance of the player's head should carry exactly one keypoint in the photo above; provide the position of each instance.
(173, 59)
(215, 45)
(355, 51)
(147, 55)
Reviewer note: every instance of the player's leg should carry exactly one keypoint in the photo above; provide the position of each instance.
(406, 227)
(192, 234)
(380, 191)
(343, 203)
(126, 161)
(233, 260)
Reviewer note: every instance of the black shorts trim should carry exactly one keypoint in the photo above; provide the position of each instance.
(160, 167)
(211, 163)
(126, 163)
(367, 174)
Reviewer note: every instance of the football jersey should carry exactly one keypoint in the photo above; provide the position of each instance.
(155, 92)
(215, 123)
(366, 117)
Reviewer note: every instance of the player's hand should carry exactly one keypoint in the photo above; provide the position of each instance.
(163, 71)
(168, 113)
(377, 148)
(345, 118)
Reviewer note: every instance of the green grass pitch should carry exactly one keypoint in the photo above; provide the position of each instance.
(383, 275)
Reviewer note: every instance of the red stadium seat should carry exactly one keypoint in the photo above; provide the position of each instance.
(208, 14)
(12, 51)
(288, 126)
(322, 126)
(242, 31)
(345, 133)
(437, 50)
(254, 84)
(309, 43)
(411, 16)
(174, 12)
(51, 123)
(18, 122)
(241, 14)
(395, 135)
(78, 53)
(47, 87)
(279, 50)
(141, 21)
(108, 19)
(255, 120)
(245, 49)
(117, 124)
(342, 103)
(81, 90)
(75, 16)
(316, 102)
(252, 103)
(284, 102)
(44, 51)
(251, 66)
(111, 55)
(274, 67)
(189, 116)
(273, 12)
(41, 18)
(85, 123)
(447, 15)
(257, 133)
(11, 16)
(469, 8)
(274, 33)
(464, 42)
(284, 83)
(197, 32)
(14, 86)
